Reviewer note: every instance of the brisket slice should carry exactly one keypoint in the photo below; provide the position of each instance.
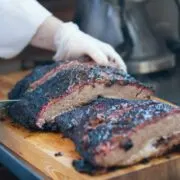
(20, 88)
(38, 76)
(66, 86)
(117, 132)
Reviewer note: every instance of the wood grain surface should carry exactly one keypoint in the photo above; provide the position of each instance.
(39, 150)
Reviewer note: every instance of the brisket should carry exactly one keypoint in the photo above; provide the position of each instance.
(118, 132)
(52, 90)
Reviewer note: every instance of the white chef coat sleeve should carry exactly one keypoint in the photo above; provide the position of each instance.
(19, 21)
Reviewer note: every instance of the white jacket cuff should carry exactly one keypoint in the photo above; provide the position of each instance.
(20, 20)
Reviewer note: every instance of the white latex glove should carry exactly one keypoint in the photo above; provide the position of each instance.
(70, 42)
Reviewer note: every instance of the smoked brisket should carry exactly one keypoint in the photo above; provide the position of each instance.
(54, 89)
(118, 132)
(105, 111)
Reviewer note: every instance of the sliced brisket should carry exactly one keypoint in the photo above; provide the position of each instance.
(21, 86)
(40, 75)
(112, 132)
(52, 90)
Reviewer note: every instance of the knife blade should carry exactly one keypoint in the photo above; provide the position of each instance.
(5, 103)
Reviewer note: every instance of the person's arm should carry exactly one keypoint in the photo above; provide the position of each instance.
(27, 22)
(44, 37)
(19, 21)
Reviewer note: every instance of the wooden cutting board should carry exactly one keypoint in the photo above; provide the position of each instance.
(39, 150)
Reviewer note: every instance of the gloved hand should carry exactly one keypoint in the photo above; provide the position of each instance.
(70, 42)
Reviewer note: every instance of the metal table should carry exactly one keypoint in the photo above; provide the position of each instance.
(20, 168)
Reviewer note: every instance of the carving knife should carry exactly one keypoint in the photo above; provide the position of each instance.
(5, 103)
